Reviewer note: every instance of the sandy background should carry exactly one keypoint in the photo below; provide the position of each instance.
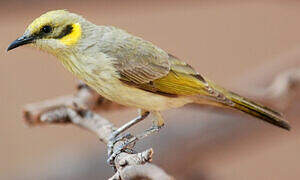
(221, 39)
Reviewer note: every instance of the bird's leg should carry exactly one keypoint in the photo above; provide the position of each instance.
(142, 116)
(158, 123)
(115, 136)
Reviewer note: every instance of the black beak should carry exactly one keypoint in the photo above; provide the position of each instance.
(20, 41)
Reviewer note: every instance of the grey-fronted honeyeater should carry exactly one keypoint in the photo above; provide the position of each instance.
(129, 70)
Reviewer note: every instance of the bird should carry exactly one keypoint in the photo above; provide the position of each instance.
(131, 71)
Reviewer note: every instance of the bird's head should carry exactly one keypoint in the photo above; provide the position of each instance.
(52, 31)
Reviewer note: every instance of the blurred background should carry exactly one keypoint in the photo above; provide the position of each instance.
(236, 43)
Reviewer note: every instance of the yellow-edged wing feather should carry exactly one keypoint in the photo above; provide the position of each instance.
(183, 80)
(189, 83)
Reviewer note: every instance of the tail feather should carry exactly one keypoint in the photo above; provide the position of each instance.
(258, 111)
(249, 107)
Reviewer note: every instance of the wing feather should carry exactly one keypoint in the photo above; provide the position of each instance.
(144, 65)
(138, 61)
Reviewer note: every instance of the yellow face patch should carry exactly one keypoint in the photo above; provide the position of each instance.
(73, 37)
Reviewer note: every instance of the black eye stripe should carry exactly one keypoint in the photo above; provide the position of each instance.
(67, 30)
(47, 29)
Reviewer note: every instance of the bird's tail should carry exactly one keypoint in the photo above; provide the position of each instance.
(238, 102)
(258, 111)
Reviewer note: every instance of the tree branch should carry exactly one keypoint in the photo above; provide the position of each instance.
(75, 110)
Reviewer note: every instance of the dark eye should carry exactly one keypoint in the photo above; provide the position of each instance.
(47, 29)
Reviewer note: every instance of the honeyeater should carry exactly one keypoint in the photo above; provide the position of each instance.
(129, 70)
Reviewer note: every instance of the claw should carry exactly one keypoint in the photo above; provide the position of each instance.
(129, 140)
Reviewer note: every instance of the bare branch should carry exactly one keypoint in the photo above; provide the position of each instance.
(75, 110)
(141, 172)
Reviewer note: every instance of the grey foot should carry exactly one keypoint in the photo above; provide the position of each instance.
(127, 145)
